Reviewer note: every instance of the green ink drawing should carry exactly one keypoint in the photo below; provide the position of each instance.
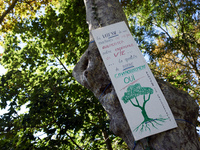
(133, 91)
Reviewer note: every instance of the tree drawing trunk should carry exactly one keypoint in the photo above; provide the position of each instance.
(90, 71)
(144, 113)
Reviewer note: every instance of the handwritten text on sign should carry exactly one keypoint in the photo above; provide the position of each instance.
(142, 101)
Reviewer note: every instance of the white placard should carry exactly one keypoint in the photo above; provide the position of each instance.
(143, 102)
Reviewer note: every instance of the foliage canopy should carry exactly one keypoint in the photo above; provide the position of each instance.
(169, 32)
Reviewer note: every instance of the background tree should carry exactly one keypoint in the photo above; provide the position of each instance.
(40, 76)
(168, 31)
(14, 11)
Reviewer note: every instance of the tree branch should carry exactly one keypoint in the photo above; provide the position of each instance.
(29, 3)
(60, 62)
(136, 105)
(62, 65)
(145, 101)
(73, 141)
(162, 29)
(8, 10)
(173, 5)
(107, 140)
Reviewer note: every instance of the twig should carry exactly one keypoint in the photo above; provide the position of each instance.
(73, 141)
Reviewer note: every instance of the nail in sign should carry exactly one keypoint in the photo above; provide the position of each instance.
(143, 102)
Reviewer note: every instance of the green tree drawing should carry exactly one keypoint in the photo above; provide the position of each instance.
(132, 93)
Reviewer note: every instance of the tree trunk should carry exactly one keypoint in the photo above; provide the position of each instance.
(90, 71)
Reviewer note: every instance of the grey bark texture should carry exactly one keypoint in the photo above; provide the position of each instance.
(90, 71)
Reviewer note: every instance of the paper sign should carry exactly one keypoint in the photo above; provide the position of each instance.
(143, 103)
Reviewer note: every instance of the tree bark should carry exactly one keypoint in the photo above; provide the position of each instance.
(90, 71)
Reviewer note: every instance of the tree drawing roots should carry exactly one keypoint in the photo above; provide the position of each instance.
(147, 125)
